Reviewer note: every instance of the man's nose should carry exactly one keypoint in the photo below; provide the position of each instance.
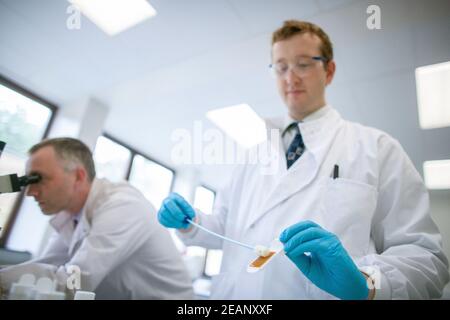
(291, 77)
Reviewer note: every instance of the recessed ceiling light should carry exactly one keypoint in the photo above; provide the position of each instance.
(114, 16)
(437, 174)
(433, 95)
(241, 123)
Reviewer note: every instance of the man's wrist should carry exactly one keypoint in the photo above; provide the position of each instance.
(370, 285)
(190, 226)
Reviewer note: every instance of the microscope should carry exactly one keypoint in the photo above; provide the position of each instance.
(12, 182)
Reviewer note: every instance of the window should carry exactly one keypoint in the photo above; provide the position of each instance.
(117, 161)
(211, 259)
(24, 121)
(112, 160)
(204, 199)
(213, 262)
(151, 178)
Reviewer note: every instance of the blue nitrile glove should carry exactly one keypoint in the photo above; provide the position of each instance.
(175, 211)
(328, 266)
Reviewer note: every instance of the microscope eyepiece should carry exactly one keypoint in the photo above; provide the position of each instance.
(26, 180)
(13, 183)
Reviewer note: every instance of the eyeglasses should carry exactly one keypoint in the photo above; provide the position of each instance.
(301, 67)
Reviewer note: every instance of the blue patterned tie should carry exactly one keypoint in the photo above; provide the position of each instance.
(296, 148)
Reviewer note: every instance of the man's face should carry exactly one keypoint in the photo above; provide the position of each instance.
(306, 93)
(55, 191)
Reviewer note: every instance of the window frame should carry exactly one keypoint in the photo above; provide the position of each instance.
(203, 185)
(135, 152)
(122, 144)
(12, 85)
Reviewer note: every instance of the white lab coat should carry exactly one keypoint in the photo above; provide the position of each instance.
(122, 250)
(378, 207)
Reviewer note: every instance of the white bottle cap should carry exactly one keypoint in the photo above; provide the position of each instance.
(52, 295)
(19, 291)
(27, 279)
(44, 284)
(84, 295)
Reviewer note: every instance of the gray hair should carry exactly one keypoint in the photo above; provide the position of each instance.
(71, 151)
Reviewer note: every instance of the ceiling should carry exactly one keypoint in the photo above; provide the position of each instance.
(194, 56)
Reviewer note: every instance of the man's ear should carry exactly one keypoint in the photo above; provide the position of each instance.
(331, 70)
(80, 174)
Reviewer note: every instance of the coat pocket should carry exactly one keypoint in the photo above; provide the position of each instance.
(348, 207)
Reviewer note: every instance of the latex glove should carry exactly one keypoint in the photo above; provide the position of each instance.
(328, 265)
(175, 211)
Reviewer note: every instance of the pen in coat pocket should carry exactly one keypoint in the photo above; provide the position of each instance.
(336, 172)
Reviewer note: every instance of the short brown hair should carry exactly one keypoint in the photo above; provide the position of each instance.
(70, 151)
(291, 28)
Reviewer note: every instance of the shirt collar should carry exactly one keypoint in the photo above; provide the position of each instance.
(76, 218)
(62, 218)
(316, 130)
(288, 120)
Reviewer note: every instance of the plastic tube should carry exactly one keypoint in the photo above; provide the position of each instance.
(220, 236)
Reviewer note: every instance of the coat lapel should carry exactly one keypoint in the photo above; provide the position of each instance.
(84, 225)
(80, 232)
(319, 135)
(61, 224)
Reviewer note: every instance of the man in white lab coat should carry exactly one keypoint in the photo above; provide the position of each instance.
(345, 200)
(107, 231)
